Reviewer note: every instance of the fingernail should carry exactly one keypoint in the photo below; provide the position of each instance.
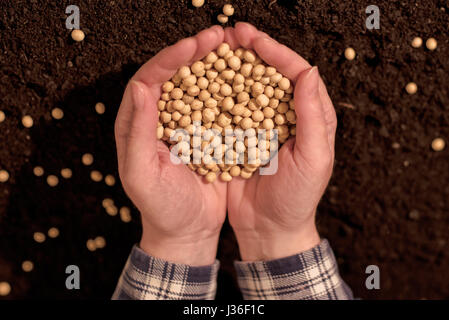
(137, 94)
(267, 39)
(313, 77)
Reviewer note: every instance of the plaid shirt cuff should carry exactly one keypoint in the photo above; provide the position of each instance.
(148, 278)
(311, 275)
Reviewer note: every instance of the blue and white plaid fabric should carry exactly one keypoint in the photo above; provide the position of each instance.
(309, 275)
(148, 278)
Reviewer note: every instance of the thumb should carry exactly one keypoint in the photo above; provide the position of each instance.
(142, 139)
(311, 143)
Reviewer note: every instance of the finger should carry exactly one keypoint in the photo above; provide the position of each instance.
(229, 37)
(287, 62)
(311, 131)
(245, 33)
(165, 64)
(122, 124)
(329, 115)
(142, 140)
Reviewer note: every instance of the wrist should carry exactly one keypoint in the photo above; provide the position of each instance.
(188, 250)
(276, 244)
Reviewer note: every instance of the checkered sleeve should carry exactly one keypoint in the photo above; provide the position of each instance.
(311, 275)
(148, 278)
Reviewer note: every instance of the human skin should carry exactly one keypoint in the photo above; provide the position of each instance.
(272, 216)
(181, 214)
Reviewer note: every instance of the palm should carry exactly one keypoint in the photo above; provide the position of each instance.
(184, 199)
(265, 198)
(170, 197)
(290, 196)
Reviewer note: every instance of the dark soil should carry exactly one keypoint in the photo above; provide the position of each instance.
(366, 211)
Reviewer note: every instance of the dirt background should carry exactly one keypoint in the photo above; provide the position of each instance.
(366, 212)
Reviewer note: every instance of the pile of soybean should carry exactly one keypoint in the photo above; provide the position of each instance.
(227, 90)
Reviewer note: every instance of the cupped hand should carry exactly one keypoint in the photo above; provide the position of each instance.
(273, 216)
(181, 214)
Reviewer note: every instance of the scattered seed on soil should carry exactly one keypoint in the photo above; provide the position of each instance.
(416, 42)
(438, 144)
(100, 242)
(52, 180)
(39, 237)
(38, 171)
(350, 53)
(53, 232)
(125, 214)
(96, 176)
(78, 35)
(228, 9)
(411, 88)
(57, 113)
(111, 210)
(90, 244)
(27, 266)
(4, 176)
(66, 173)
(27, 121)
(2, 116)
(87, 159)
(100, 108)
(197, 3)
(109, 180)
(222, 18)
(431, 44)
(5, 289)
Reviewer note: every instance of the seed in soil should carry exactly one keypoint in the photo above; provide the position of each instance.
(109, 180)
(438, 144)
(100, 108)
(5, 289)
(52, 180)
(57, 113)
(87, 159)
(349, 53)
(27, 121)
(2, 116)
(125, 214)
(96, 176)
(197, 3)
(100, 242)
(53, 232)
(222, 18)
(416, 42)
(431, 44)
(78, 35)
(27, 266)
(38, 171)
(228, 9)
(39, 237)
(411, 88)
(90, 244)
(66, 173)
(4, 176)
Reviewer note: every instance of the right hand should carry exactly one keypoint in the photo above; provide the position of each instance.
(181, 214)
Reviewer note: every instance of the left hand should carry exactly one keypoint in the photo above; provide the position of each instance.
(273, 216)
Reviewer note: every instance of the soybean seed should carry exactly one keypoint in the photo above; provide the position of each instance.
(349, 53)
(78, 35)
(438, 144)
(228, 9)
